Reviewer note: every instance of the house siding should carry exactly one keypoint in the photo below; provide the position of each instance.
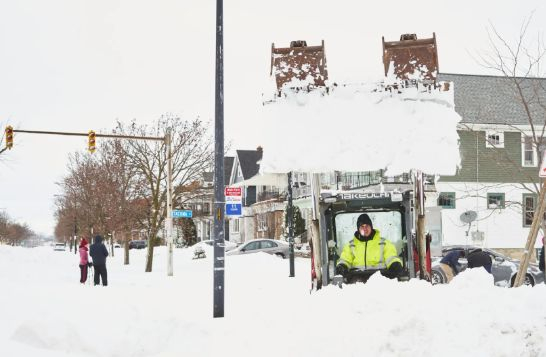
(496, 165)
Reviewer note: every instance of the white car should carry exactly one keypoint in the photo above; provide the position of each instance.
(271, 246)
(59, 246)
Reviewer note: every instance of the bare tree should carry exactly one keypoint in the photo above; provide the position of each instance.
(192, 153)
(519, 62)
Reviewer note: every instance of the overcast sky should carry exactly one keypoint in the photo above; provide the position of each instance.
(75, 65)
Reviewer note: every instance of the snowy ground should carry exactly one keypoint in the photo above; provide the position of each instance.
(44, 311)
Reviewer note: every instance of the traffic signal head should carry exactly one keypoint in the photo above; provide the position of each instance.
(9, 137)
(91, 141)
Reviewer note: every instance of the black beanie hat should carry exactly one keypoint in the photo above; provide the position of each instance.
(363, 219)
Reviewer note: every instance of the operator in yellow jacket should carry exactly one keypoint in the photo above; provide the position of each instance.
(368, 251)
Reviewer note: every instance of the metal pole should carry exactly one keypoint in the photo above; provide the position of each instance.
(219, 199)
(169, 218)
(290, 213)
(420, 231)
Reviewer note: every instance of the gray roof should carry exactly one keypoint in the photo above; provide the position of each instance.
(494, 100)
(228, 166)
(248, 160)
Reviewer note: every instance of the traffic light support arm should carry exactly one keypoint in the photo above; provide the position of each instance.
(156, 138)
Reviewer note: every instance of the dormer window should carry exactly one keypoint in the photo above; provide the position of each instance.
(494, 139)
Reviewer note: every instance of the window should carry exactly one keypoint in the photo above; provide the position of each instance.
(529, 205)
(494, 139)
(528, 152)
(234, 226)
(252, 246)
(262, 222)
(495, 200)
(446, 199)
(267, 244)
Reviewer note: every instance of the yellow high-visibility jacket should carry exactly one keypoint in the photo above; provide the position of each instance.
(377, 253)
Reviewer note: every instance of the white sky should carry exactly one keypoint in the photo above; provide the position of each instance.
(73, 65)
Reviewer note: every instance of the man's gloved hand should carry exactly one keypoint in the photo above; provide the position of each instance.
(342, 269)
(394, 270)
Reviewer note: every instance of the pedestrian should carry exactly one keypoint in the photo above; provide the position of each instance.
(84, 260)
(478, 258)
(368, 252)
(99, 253)
(450, 264)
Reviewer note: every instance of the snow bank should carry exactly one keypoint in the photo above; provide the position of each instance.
(355, 128)
(46, 312)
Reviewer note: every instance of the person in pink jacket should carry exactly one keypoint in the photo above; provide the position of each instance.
(84, 260)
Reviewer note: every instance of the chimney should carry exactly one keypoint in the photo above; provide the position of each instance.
(259, 149)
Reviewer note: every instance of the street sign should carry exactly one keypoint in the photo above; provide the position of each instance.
(542, 172)
(233, 191)
(177, 213)
(234, 209)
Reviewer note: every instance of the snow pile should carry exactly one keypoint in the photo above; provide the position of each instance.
(46, 312)
(354, 128)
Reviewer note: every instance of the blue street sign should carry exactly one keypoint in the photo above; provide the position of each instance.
(186, 213)
(234, 209)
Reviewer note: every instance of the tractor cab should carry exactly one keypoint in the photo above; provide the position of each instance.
(391, 214)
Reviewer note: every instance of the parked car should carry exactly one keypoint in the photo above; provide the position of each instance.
(59, 246)
(138, 244)
(271, 246)
(504, 269)
(210, 242)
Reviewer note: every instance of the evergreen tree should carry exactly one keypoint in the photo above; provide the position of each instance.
(297, 219)
(189, 232)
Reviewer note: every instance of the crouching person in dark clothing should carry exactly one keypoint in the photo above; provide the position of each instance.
(450, 264)
(99, 253)
(478, 258)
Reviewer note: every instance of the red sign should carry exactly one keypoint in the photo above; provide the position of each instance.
(233, 191)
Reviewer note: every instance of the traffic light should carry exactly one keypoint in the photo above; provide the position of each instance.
(9, 137)
(91, 141)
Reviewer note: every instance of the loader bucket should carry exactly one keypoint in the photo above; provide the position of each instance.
(304, 66)
(411, 58)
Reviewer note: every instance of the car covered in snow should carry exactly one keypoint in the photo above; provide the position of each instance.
(504, 269)
(270, 246)
(210, 243)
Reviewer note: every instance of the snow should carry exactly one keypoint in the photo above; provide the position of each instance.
(356, 127)
(46, 312)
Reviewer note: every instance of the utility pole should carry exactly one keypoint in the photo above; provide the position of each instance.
(290, 213)
(219, 198)
(169, 218)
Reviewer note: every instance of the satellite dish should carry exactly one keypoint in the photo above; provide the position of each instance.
(468, 216)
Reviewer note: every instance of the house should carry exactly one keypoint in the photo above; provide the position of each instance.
(263, 206)
(200, 200)
(492, 198)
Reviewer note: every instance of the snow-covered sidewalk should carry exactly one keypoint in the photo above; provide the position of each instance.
(46, 312)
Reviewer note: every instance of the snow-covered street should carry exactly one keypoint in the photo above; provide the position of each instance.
(45, 311)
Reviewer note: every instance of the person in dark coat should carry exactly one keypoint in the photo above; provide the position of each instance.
(450, 264)
(99, 253)
(478, 258)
